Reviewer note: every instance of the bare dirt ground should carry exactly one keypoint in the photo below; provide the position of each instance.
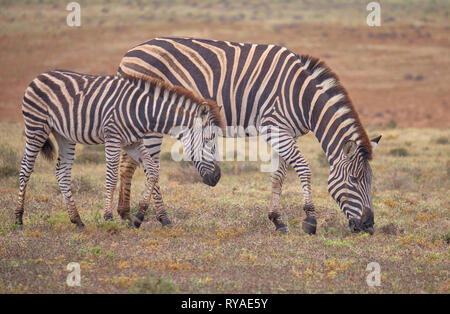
(397, 76)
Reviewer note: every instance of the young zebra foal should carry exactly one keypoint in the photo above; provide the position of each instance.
(90, 109)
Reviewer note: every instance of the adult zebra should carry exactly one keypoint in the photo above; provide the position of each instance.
(268, 85)
(90, 109)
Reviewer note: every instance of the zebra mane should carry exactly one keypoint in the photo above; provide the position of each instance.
(326, 75)
(214, 108)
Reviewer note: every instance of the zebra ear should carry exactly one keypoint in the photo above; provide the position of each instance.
(375, 141)
(350, 148)
(203, 110)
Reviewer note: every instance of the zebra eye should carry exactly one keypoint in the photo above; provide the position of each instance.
(353, 180)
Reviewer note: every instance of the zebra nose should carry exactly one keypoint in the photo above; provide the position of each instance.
(365, 223)
(367, 220)
(211, 179)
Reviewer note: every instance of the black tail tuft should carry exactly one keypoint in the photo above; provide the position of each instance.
(47, 150)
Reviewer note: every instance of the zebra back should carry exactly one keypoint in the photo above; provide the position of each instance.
(251, 81)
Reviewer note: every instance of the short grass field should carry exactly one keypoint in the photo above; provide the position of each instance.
(396, 75)
(222, 241)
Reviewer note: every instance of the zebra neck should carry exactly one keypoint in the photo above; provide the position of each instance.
(332, 123)
(167, 111)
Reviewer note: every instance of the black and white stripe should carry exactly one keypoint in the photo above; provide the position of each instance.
(89, 109)
(266, 86)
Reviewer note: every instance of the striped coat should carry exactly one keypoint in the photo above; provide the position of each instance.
(267, 86)
(90, 109)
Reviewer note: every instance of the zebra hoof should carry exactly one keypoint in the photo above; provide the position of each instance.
(124, 213)
(309, 225)
(165, 222)
(19, 226)
(283, 229)
(126, 217)
(280, 226)
(137, 220)
(80, 225)
(108, 216)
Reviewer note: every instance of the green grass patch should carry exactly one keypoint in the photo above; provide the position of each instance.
(338, 243)
(153, 284)
(442, 140)
(9, 162)
(399, 152)
(91, 154)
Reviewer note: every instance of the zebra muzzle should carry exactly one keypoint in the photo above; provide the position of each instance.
(365, 224)
(211, 179)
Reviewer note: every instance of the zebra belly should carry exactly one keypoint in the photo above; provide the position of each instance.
(87, 137)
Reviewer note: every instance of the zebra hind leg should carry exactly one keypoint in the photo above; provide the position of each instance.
(131, 157)
(66, 153)
(127, 168)
(112, 152)
(36, 142)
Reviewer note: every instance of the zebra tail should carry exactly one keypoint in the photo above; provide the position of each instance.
(48, 150)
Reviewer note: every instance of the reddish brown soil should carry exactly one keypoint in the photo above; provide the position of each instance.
(393, 73)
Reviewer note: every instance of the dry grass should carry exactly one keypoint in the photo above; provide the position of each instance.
(223, 241)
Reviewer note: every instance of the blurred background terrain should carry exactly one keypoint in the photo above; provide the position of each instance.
(397, 76)
(396, 73)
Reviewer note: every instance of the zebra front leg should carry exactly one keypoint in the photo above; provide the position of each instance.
(112, 151)
(66, 153)
(151, 167)
(277, 177)
(145, 201)
(285, 146)
(127, 168)
(160, 211)
(301, 166)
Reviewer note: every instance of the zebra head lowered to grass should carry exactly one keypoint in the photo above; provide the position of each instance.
(91, 109)
(199, 136)
(348, 149)
(268, 86)
(350, 181)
